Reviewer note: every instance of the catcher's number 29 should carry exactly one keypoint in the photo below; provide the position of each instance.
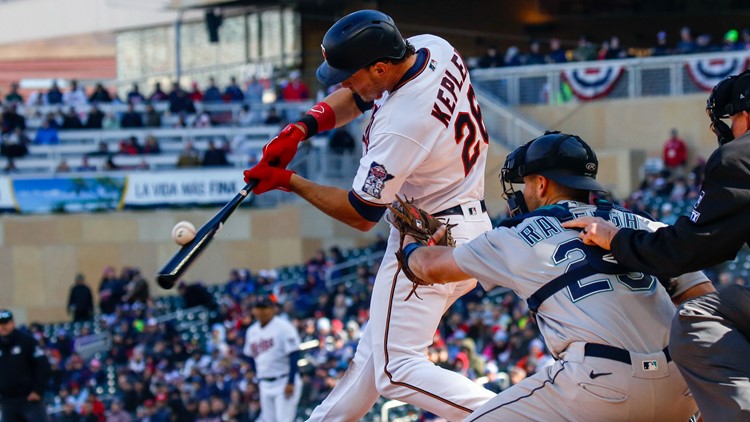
(576, 256)
(465, 130)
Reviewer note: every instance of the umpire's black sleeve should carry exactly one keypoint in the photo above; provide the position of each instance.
(715, 230)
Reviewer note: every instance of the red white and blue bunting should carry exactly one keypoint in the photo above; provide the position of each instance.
(588, 83)
(706, 73)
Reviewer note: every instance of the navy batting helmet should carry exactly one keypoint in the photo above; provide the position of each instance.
(356, 41)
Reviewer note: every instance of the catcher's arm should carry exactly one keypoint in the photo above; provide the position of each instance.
(435, 264)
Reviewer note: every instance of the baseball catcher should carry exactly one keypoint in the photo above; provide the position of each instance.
(418, 228)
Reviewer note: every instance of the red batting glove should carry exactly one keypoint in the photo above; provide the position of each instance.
(269, 178)
(280, 151)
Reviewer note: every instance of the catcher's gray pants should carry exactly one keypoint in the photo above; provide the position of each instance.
(582, 387)
(709, 343)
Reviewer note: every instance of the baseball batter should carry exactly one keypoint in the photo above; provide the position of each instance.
(426, 140)
(272, 344)
(607, 327)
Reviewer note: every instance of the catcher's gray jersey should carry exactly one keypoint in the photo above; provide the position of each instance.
(631, 311)
(609, 331)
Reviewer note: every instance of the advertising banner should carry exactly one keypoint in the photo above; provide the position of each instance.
(180, 188)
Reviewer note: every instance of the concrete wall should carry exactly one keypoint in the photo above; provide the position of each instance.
(40, 255)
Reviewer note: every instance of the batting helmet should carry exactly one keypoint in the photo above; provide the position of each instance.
(356, 41)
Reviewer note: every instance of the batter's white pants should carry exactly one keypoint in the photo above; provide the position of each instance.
(275, 406)
(391, 358)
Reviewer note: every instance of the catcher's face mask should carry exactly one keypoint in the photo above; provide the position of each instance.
(513, 171)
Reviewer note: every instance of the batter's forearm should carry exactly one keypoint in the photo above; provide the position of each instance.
(343, 104)
(331, 200)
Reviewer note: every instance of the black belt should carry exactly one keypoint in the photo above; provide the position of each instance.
(457, 210)
(274, 378)
(613, 353)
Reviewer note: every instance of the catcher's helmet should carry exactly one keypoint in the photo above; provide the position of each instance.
(356, 41)
(563, 158)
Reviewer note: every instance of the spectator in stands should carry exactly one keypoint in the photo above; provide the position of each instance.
(212, 93)
(130, 146)
(54, 95)
(11, 119)
(491, 58)
(215, 155)
(615, 50)
(295, 89)
(158, 94)
(534, 56)
(85, 165)
(62, 166)
(134, 95)
(661, 48)
(512, 56)
(95, 118)
(675, 152)
(746, 38)
(10, 166)
(254, 91)
(13, 96)
(666, 214)
(603, 51)
(15, 145)
(117, 414)
(194, 295)
(110, 122)
(195, 94)
(247, 117)
(151, 145)
(80, 300)
(188, 156)
(71, 121)
(100, 94)
(273, 117)
(556, 52)
(110, 165)
(153, 117)
(102, 149)
(233, 92)
(585, 51)
(131, 118)
(75, 97)
(703, 44)
(341, 142)
(110, 291)
(686, 45)
(47, 133)
(731, 41)
(203, 120)
(179, 102)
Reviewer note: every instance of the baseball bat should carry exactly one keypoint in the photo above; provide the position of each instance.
(181, 261)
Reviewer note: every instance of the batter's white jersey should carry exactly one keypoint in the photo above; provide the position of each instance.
(270, 346)
(426, 138)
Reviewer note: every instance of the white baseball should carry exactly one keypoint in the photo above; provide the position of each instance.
(183, 232)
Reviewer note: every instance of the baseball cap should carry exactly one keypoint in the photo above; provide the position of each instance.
(5, 316)
(265, 301)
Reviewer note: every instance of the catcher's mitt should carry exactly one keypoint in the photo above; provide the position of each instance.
(417, 223)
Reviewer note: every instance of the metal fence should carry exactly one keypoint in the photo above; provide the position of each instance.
(640, 77)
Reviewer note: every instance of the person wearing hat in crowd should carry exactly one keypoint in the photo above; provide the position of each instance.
(24, 373)
(272, 346)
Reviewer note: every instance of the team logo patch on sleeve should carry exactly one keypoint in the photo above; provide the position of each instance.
(375, 180)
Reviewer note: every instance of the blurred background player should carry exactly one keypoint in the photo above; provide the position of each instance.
(272, 344)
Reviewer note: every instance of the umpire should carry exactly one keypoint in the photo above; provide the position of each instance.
(710, 334)
(24, 372)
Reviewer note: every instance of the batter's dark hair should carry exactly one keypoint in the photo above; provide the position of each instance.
(410, 51)
(577, 195)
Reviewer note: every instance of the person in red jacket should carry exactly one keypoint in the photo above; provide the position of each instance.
(675, 152)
